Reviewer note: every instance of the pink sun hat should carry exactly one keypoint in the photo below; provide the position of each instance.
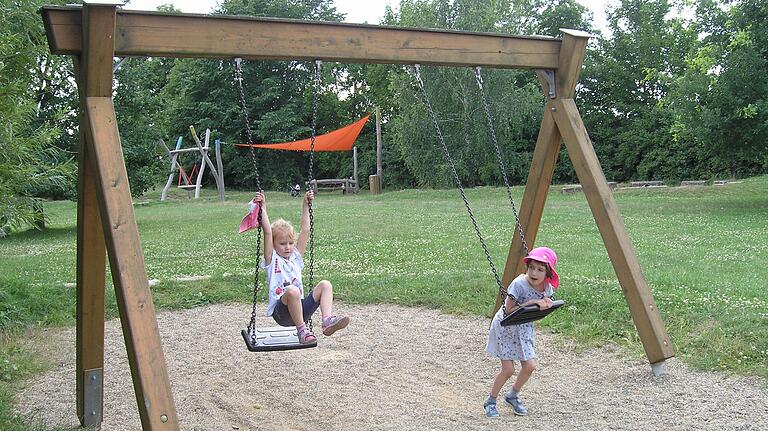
(548, 256)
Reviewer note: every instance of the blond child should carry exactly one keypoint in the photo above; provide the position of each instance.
(516, 342)
(283, 261)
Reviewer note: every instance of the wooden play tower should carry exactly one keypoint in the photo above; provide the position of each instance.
(93, 34)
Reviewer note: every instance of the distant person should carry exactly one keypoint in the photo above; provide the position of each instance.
(516, 342)
(296, 190)
(283, 261)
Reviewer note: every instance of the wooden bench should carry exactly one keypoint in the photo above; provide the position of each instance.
(570, 189)
(724, 182)
(647, 184)
(346, 185)
(644, 185)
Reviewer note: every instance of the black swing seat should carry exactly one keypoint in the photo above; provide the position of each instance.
(529, 313)
(274, 338)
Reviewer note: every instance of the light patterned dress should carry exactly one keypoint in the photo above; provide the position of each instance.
(515, 342)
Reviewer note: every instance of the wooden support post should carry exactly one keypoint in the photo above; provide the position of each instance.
(562, 119)
(174, 156)
(378, 145)
(374, 184)
(642, 306)
(203, 150)
(356, 184)
(134, 299)
(91, 273)
(220, 170)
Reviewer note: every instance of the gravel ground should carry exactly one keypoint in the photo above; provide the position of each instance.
(393, 368)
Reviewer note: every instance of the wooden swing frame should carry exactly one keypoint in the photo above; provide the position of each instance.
(106, 225)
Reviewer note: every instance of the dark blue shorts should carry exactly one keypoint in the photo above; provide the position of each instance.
(283, 317)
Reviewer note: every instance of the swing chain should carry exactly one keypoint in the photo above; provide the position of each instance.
(252, 324)
(456, 178)
(249, 136)
(316, 86)
(311, 177)
(499, 158)
(244, 108)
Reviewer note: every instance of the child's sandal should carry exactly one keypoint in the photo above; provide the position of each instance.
(307, 337)
(334, 324)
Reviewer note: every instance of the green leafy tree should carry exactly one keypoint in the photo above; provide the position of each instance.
(28, 161)
(278, 102)
(624, 90)
(720, 101)
(138, 107)
(515, 98)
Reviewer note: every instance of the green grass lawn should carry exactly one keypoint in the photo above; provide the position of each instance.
(704, 252)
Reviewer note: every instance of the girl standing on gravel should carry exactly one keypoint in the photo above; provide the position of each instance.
(516, 342)
(287, 304)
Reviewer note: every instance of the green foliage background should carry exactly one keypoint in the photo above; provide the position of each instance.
(30, 165)
(665, 95)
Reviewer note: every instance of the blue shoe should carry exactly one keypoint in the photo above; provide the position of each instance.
(517, 404)
(491, 411)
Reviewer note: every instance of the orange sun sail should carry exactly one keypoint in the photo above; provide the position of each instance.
(339, 140)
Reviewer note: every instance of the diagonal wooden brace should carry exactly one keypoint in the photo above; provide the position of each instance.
(129, 274)
(642, 306)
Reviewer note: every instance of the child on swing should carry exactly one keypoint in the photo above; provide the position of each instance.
(283, 261)
(516, 342)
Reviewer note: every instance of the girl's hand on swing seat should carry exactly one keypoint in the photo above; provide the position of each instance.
(545, 303)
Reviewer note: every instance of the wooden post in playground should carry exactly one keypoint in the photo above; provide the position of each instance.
(354, 171)
(96, 33)
(218, 176)
(91, 273)
(103, 176)
(375, 180)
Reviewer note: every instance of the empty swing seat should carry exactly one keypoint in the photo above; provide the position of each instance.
(529, 313)
(274, 338)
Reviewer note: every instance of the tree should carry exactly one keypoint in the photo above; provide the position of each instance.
(515, 98)
(28, 161)
(138, 105)
(720, 102)
(625, 88)
(278, 101)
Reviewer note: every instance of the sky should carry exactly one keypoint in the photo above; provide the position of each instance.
(357, 11)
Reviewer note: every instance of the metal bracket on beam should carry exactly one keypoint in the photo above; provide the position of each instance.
(93, 403)
(549, 75)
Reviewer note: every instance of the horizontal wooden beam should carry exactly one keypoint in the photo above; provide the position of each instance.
(156, 34)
